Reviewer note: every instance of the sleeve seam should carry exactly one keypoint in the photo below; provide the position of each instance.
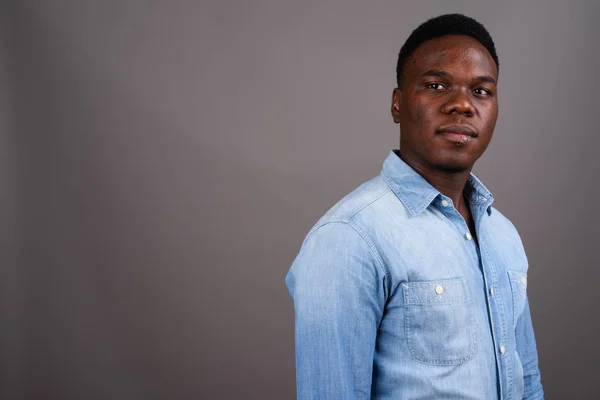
(361, 234)
(376, 254)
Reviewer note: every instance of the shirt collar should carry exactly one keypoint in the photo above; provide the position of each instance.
(417, 194)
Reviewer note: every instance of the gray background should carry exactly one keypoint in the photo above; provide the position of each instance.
(161, 162)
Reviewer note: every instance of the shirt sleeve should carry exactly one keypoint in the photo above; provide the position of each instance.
(526, 348)
(337, 285)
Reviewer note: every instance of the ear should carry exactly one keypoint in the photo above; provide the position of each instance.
(396, 102)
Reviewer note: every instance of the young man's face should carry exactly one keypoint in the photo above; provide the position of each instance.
(447, 103)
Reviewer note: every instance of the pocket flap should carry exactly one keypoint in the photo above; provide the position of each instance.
(518, 281)
(443, 291)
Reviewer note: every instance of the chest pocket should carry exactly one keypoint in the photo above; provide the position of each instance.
(518, 287)
(439, 322)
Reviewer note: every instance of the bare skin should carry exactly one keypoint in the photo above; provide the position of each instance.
(447, 107)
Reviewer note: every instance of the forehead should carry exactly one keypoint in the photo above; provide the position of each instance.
(456, 54)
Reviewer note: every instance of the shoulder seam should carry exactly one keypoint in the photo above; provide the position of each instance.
(347, 217)
(369, 244)
(376, 197)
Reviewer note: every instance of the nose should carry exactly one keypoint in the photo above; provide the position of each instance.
(459, 103)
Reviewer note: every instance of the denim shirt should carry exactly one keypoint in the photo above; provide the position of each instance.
(394, 299)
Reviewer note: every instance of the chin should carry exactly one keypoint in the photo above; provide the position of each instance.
(453, 165)
(453, 161)
(452, 168)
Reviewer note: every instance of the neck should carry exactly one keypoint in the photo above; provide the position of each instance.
(449, 183)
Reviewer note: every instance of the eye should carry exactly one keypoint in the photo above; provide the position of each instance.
(435, 86)
(482, 92)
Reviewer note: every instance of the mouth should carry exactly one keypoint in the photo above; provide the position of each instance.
(459, 134)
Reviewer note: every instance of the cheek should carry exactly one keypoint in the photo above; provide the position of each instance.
(422, 114)
(490, 118)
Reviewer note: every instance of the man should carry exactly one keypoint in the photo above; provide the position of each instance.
(413, 286)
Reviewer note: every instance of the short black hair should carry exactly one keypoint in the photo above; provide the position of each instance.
(447, 24)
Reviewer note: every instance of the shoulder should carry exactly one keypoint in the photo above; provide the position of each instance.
(336, 237)
(503, 223)
(357, 201)
(338, 227)
(506, 232)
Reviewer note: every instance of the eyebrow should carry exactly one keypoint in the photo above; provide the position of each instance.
(486, 78)
(436, 72)
(444, 74)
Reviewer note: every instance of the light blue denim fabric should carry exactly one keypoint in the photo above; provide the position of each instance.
(394, 301)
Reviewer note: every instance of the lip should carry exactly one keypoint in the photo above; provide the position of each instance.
(460, 134)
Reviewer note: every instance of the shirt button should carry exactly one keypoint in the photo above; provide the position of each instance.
(439, 289)
(468, 236)
(482, 198)
(445, 203)
(492, 290)
(502, 349)
(523, 280)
